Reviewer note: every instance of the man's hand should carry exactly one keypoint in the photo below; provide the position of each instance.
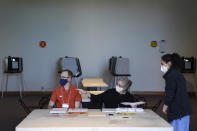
(50, 105)
(81, 91)
(77, 104)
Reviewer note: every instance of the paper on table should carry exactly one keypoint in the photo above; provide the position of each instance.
(133, 103)
(96, 114)
(109, 110)
(129, 110)
(86, 100)
(78, 110)
(58, 110)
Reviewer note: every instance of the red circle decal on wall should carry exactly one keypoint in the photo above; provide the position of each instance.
(42, 44)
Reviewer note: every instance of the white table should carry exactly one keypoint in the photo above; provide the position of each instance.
(94, 82)
(42, 120)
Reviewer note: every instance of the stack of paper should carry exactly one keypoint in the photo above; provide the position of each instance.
(129, 110)
(139, 110)
(109, 110)
(58, 110)
(96, 114)
(133, 103)
(78, 110)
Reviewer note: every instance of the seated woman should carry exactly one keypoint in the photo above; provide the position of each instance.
(112, 98)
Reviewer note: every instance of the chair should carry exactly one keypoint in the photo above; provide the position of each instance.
(156, 106)
(42, 104)
(145, 106)
(26, 108)
(138, 98)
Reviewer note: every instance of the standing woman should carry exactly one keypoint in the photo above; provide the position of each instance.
(176, 103)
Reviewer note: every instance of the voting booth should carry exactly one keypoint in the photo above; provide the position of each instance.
(13, 66)
(72, 64)
(188, 64)
(118, 67)
(188, 68)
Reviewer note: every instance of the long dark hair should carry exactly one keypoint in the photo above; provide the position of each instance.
(174, 58)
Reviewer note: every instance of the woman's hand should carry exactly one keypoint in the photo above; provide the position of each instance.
(165, 108)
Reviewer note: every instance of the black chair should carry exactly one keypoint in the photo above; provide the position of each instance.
(26, 108)
(44, 101)
(145, 106)
(156, 106)
(138, 98)
(42, 104)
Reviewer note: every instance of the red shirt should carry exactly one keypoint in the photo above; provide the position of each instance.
(61, 96)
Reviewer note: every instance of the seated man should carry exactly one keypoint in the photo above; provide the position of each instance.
(112, 98)
(65, 95)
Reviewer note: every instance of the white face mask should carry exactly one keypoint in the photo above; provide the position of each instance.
(118, 89)
(164, 69)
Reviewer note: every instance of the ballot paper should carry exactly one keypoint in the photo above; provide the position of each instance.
(129, 110)
(103, 114)
(139, 109)
(109, 110)
(133, 103)
(78, 110)
(86, 100)
(58, 110)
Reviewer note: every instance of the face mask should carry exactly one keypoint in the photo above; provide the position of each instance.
(118, 89)
(63, 82)
(164, 69)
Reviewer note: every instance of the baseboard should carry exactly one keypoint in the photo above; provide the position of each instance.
(158, 93)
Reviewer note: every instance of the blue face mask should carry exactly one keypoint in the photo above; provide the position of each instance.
(63, 82)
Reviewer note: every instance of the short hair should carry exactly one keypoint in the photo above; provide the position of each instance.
(70, 74)
(127, 83)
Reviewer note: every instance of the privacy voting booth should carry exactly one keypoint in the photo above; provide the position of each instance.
(13, 66)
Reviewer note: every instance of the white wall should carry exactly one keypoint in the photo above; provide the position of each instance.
(94, 30)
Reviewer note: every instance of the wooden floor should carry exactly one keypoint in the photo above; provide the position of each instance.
(12, 113)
